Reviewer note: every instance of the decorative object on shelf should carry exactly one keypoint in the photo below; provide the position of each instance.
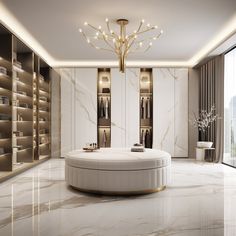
(203, 123)
(24, 105)
(3, 70)
(18, 134)
(4, 100)
(19, 117)
(122, 43)
(4, 116)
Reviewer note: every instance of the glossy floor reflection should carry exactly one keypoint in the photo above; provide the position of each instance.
(200, 201)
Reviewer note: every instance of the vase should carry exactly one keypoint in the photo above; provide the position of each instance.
(204, 144)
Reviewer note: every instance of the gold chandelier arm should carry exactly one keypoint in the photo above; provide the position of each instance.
(140, 26)
(108, 27)
(99, 48)
(130, 45)
(107, 42)
(95, 28)
(146, 30)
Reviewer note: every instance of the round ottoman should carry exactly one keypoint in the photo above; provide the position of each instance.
(118, 171)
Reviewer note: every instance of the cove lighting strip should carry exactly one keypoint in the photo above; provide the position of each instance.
(7, 19)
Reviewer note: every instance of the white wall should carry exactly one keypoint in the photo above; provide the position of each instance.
(118, 131)
(78, 108)
(170, 108)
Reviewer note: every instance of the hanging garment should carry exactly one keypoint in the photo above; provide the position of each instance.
(102, 109)
(141, 107)
(148, 142)
(148, 108)
(142, 141)
(104, 138)
(107, 109)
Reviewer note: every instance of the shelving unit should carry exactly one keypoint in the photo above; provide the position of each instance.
(146, 107)
(44, 111)
(22, 102)
(104, 107)
(25, 106)
(5, 100)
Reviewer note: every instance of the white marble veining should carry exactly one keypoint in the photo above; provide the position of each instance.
(85, 106)
(67, 110)
(132, 106)
(163, 110)
(170, 107)
(181, 112)
(78, 107)
(201, 200)
(118, 107)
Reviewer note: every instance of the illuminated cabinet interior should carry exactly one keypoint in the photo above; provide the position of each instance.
(25, 105)
(146, 108)
(104, 107)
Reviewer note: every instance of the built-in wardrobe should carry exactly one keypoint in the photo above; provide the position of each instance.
(25, 106)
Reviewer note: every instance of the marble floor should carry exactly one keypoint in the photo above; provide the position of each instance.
(201, 201)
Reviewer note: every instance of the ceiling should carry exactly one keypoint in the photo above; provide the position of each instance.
(189, 26)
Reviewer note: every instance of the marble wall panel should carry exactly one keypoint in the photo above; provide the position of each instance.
(132, 106)
(118, 109)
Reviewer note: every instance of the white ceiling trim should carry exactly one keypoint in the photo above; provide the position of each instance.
(19, 30)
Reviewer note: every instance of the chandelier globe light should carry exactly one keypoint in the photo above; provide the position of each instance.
(121, 43)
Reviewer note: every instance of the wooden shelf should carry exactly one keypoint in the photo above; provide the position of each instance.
(5, 154)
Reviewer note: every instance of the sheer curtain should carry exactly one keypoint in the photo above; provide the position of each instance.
(230, 109)
(212, 93)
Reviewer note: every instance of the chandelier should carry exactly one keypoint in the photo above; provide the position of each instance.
(122, 43)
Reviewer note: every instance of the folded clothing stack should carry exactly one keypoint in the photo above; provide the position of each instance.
(137, 148)
(3, 70)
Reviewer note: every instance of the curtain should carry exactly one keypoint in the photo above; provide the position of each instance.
(212, 94)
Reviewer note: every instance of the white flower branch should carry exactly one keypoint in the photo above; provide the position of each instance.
(205, 119)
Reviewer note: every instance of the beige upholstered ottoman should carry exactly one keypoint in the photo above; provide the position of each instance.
(118, 171)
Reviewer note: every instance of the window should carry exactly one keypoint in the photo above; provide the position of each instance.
(230, 108)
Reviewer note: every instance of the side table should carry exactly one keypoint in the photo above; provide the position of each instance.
(201, 153)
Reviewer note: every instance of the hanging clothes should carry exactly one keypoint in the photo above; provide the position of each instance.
(102, 108)
(104, 139)
(148, 108)
(142, 141)
(143, 108)
(148, 141)
(107, 109)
